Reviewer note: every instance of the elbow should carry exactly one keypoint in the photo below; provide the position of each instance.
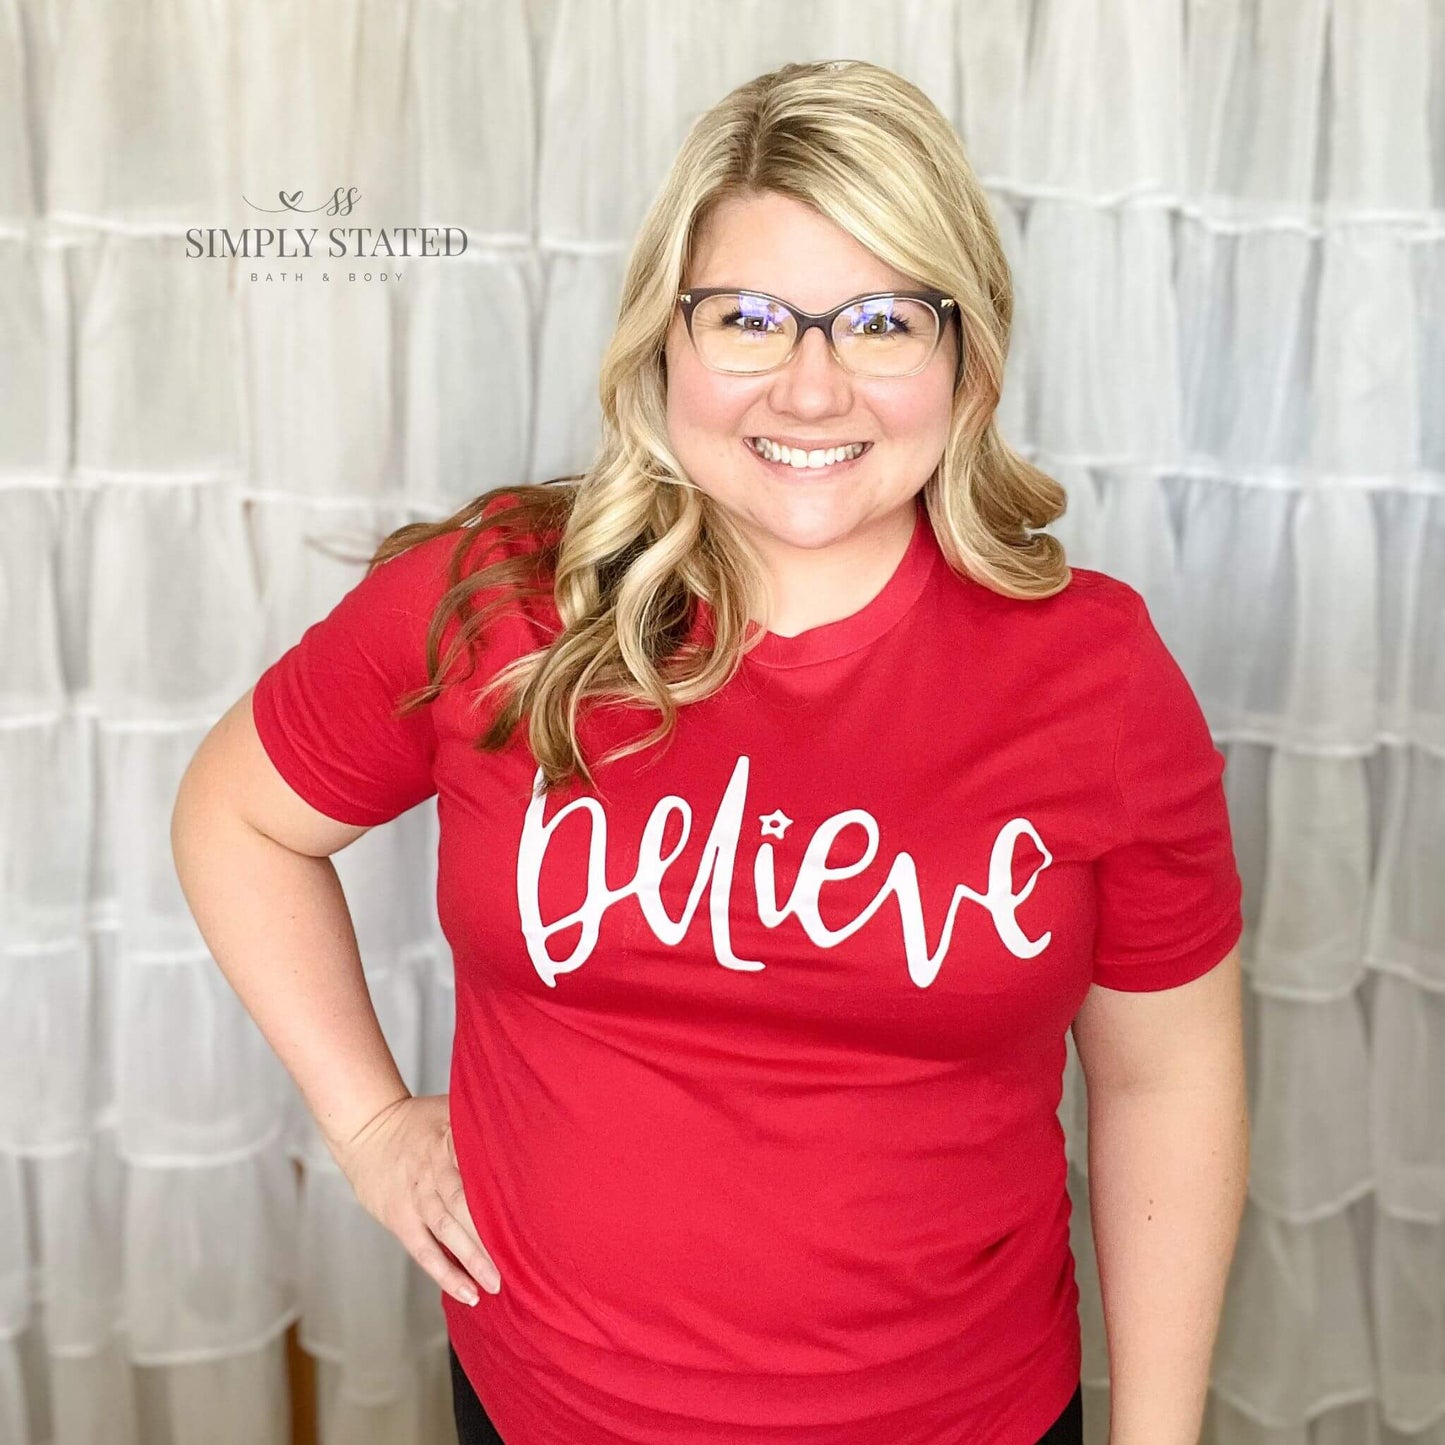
(188, 807)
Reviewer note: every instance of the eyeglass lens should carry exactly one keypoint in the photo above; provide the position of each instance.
(882, 336)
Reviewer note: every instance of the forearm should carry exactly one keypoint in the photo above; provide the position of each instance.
(277, 924)
(1167, 1178)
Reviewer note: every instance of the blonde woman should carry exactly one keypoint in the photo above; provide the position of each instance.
(795, 798)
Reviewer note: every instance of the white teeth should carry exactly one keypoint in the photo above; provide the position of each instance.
(790, 456)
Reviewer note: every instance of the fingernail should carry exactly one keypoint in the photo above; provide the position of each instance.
(470, 1297)
(495, 1288)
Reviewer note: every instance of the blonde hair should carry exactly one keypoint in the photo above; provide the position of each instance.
(626, 548)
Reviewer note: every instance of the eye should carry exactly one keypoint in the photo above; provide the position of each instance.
(878, 318)
(749, 322)
(754, 314)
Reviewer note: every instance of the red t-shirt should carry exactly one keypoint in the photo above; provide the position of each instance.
(758, 1050)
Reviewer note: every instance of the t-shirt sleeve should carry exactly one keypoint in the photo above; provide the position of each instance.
(1168, 893)
(325, 709)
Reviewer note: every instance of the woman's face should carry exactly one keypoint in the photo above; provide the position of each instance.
(777, 245)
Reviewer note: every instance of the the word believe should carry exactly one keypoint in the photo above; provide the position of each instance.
(715, 873)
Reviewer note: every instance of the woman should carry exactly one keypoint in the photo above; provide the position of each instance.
(794, 796)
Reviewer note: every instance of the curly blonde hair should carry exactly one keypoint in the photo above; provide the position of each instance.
(627, 547)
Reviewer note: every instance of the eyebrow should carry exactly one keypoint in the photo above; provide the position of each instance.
(773, 295)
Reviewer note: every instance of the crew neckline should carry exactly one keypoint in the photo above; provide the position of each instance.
(831, 640)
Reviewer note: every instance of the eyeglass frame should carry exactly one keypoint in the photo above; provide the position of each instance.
(942, 304)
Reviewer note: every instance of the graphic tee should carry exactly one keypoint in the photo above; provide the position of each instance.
(759, 1045)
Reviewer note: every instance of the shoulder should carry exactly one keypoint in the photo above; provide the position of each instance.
(403, 590)
(1101, 601)
(521, 524)
(1091, 588)
(500, 531)
(409, 600)
(1091, 609)
(495, 572)
(1067, 656)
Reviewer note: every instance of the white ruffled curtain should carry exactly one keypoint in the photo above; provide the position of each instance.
(1227, 224)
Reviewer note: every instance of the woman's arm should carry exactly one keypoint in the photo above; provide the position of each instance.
(1168, 1169)
(254, 861)
(254, 864)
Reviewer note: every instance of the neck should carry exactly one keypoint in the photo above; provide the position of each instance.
(810, 587)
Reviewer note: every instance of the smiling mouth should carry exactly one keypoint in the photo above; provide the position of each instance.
(798, 459)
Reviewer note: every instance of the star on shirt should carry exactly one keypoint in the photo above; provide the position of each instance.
(775, 824)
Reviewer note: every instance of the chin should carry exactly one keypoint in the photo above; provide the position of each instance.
(807, 524)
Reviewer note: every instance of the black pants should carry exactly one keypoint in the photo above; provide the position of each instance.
(474, 1427)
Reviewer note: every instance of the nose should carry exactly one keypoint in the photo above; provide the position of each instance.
(814, 382)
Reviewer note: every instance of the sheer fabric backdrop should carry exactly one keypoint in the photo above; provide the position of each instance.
(1227, 224)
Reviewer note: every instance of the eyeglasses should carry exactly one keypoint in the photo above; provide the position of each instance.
(887, 334)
